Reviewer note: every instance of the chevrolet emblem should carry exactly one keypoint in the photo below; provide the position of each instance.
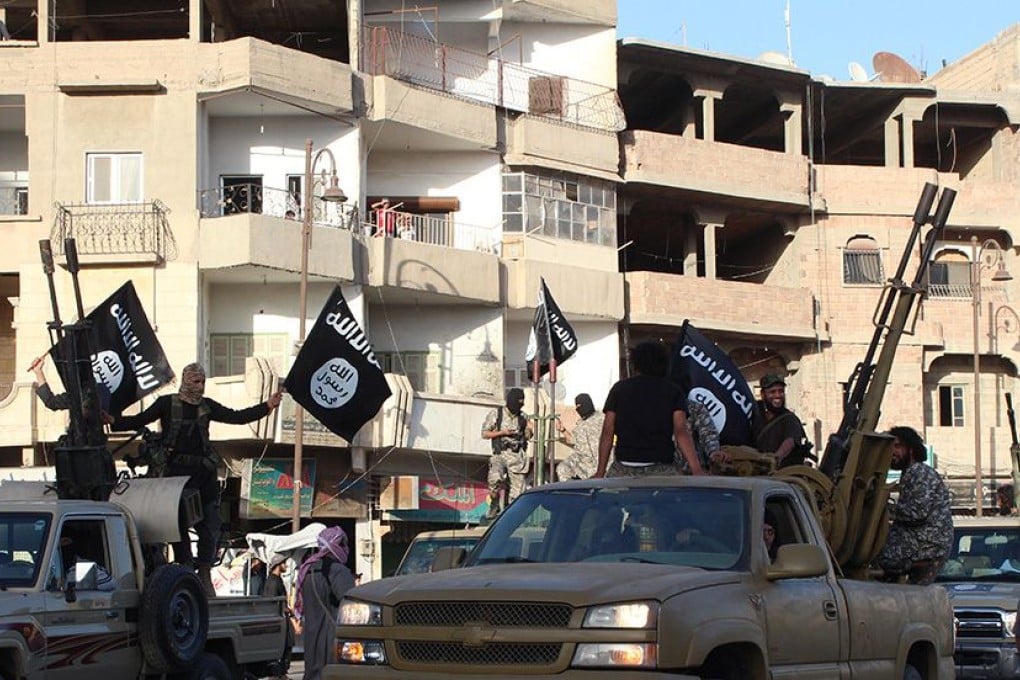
(475, 634)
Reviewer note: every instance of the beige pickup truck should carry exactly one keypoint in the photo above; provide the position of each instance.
(647, 578)
(77, 601)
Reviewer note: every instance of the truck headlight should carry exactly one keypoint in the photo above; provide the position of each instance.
(1008, 622)
(361, 651)
(616, 654)
(357, 613)
(623, 615)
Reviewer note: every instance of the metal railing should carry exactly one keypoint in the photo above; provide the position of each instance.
(114, 229)
(950, 290)
(478, 77)
(437, 231)
(273, 202)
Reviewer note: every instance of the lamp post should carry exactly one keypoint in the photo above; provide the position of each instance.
(1010, 324)
(331, 194)
(976, 265)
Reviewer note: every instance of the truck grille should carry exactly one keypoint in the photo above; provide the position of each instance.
(493, 654)
(498, 614)
(979, 623)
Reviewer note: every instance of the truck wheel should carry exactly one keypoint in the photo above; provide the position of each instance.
(174, 619)
(911, 673)
(208, 667)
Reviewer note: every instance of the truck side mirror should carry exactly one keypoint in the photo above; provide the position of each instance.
(798, 560)
(448, 558)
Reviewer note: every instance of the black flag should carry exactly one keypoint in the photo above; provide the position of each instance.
(335, 376)
(127, 360)
(711, 378)
(551, 336)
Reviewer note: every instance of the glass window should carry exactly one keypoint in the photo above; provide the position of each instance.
(580, 210)
(22, 547)
(951, 406)
(113, 178)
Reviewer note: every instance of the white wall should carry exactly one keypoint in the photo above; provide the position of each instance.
(593, 369)
(573, 50)
(474, 178)
(274, 147)
(465, 336)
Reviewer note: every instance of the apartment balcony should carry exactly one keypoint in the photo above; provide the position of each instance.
(114, 233)
(470, 76)
(422, 259)
(748, 309)
(247, 232)
(716, 170)
(579, 291)
(538, 141)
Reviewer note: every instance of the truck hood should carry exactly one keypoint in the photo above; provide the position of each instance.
(983, 594)
(574, 583)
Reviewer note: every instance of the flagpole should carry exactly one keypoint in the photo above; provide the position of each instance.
(539, 458)
(551, 451)
(299, 411)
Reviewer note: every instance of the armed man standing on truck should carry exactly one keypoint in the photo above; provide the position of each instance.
(508, 430)
(777, 429)
(922, 524)
(184, 419)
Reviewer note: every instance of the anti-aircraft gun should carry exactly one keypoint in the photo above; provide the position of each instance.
(84, 465)
(849, 487)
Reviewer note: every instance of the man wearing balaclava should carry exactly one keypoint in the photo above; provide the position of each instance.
(184, 421)
(507, 429)
(584, 438)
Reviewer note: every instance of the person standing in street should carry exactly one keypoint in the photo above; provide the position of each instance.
(581, 464)
(508, 431)
(322, 581)
(646, 415)
(184, 420)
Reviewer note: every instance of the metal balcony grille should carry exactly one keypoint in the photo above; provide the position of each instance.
(501, 614)
(862, 266)
(493, 654)
(273, 202)
(114, 229)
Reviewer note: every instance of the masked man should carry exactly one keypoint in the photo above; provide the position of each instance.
(508, 430)
(584, 438)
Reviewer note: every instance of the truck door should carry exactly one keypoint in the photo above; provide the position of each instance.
(89, 634)
(803, 616)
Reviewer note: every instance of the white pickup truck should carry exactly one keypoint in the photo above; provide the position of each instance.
(646, 578)
(77, 600)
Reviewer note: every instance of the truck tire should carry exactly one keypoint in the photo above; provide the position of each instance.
(174, 619)
(911, 673)
(208, 667)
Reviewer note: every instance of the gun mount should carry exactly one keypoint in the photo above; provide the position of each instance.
(849, 488)
(84, 465)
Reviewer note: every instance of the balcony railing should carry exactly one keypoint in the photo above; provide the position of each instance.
(437, 231)
(950, 290)
(255, 198)
(114, 229)
(479, 77)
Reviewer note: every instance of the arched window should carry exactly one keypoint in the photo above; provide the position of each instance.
(949, 275)
(862, 261)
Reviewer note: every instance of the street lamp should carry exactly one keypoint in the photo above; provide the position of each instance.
(977, 264)
(331, 194)
(1011, 324)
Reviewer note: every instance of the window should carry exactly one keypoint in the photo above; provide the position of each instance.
(228, 351)
(114, 178)
(862, 261)
(567, 207)
(951, 406)
(241, 194)
(949, 275)
(420, 368)
(84, 555)
(517, 376)
(21, 201)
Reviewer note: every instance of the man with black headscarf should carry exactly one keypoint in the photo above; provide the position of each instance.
(184, 420)
(507, 429)
(584, 438)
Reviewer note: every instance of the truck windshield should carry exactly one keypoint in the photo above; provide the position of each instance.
(22, 547)
(420, 554)
(705, 528)
(983, 553)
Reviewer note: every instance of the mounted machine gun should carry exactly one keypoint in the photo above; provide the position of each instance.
(849, 487)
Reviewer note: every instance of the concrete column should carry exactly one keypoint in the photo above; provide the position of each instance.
(793, 125)
(892, 143)
(907, 130)
(708, 117)
(195, 20)
(691, 253)
(709, 231)
(43, 26)
(368, 560)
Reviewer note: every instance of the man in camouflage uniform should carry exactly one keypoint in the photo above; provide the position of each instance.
(704, 432)
(922, 525)
(507, 429)
(584, 438)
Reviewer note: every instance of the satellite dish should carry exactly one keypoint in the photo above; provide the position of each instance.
(857, 73)
(773, 57)
(892, 68)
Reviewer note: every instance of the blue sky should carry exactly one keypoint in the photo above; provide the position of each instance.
(826, 35)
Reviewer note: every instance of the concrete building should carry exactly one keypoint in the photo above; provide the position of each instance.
(515, 141)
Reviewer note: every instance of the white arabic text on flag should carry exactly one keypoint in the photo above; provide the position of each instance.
(552, 337)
